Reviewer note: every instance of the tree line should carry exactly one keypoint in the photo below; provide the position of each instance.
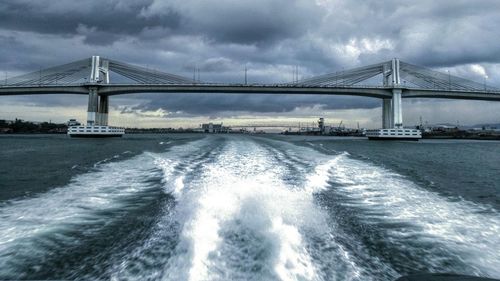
(21, 126)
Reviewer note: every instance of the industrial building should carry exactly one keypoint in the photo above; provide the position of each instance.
(214, 128)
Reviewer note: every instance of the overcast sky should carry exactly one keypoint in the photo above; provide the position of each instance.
(269, 37)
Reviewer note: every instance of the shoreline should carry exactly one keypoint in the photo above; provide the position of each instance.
(484, 138)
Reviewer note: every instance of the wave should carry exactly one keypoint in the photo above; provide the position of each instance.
(24, 222)
(423, 229)
(238, 208)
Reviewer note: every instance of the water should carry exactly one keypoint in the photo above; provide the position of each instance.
(227, 207)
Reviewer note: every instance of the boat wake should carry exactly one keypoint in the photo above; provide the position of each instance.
(233, 208)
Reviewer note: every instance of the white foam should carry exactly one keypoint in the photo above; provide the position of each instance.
(176, 164)
(242, 182)
(318, 180)
(470, 229)
(235, 204)
(86, 197)
(169, 161)
(74, 204)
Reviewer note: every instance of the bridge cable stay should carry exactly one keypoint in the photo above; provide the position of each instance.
(78, 72)
(431, 79)
(417, 77)
(344, 78)
(146, 76)
(59, 75)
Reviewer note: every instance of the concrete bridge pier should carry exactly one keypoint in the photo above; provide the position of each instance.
(103, 110)
(92, 108)
(98, 108)
(392, 111)
(387, 122)
(397, 109)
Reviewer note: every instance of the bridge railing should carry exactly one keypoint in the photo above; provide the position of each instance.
(251, 85)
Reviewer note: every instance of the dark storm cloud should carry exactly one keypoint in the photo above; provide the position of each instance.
(54, 100)
(250, 22)
(209, 104)
(222, 37)
(437, 33)
(101, 22)
(227, 21)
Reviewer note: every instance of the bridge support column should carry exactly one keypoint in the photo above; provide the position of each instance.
(397, 109)
(103, 110)
(92, 107)
(387, 122)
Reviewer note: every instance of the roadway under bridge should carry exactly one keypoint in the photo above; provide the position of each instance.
(396, 80)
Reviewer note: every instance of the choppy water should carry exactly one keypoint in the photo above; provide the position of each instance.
(246, 208)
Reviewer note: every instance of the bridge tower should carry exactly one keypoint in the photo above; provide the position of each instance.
(103, 108)
(392, 113)
(386, 103)
(98, 105)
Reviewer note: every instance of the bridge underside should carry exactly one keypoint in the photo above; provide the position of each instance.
(381, 93)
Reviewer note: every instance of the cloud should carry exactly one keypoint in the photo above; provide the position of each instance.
(269, 38)
(242, 22)
(67, 18)
(211, 104)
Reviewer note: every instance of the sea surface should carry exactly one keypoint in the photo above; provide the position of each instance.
(241, 207)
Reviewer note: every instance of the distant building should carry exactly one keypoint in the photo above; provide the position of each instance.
(73, 122)
(444, 128)
(214, 128)
(321, 125)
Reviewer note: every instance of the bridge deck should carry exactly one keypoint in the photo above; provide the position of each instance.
(365, 91)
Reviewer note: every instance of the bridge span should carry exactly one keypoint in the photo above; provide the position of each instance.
(398, 80)
(210, 88)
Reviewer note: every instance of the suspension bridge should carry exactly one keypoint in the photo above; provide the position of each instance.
(100, 78)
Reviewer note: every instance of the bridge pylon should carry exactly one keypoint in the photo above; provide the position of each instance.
(98, 105)
(392, 110)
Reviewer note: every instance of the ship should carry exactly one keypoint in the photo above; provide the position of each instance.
(394, 134)
(95, 131)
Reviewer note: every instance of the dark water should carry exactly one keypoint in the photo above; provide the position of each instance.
(227, 207)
